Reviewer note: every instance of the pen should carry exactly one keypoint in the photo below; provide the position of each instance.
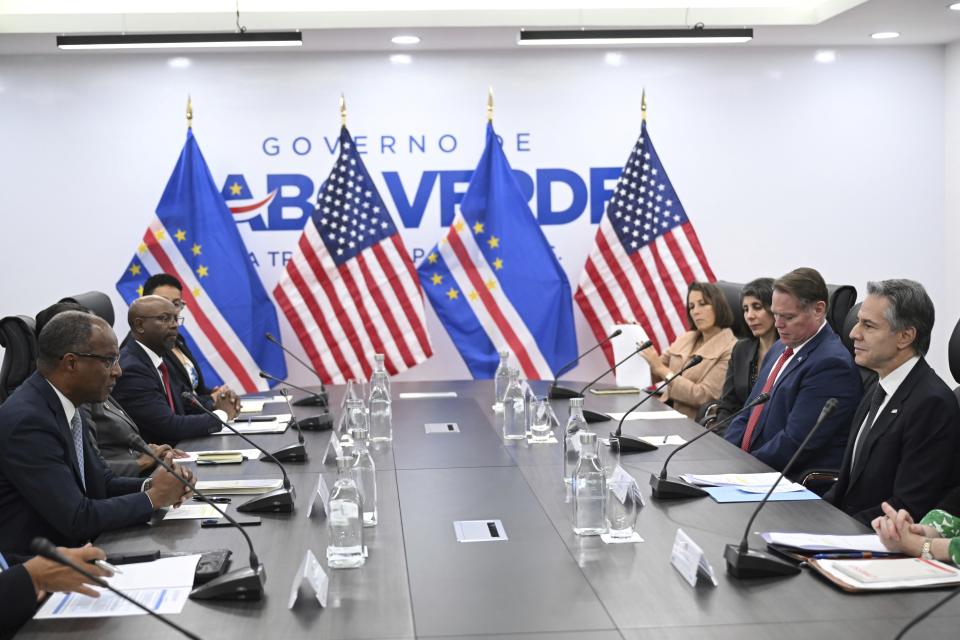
(217, 499)
(103, 564)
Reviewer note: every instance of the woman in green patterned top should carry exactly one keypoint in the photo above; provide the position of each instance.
(937, 536)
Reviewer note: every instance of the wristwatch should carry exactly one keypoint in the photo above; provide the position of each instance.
(925, 549)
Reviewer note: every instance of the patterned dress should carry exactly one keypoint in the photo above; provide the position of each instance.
(949, 527)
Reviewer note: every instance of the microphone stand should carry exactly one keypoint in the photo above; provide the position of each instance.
(557, 393)
(277, 500)
(629, 444)
(665, 488)
(595, 416)
(311, 401)
(239, 584)
(44, 548)
(742, 561)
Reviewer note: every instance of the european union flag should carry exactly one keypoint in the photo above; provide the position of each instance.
(194, 238)
(494, 280)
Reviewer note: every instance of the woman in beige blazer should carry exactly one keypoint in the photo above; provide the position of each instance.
(710, 337)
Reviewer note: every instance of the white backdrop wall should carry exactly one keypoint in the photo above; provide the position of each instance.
(780, 161)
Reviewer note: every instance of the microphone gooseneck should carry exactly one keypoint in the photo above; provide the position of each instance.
(692, 362)
(311, 394)
(46, 549)
(562, 369)
(294, 356)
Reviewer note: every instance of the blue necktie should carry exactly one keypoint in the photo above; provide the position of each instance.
(76, 428)
(3, 563)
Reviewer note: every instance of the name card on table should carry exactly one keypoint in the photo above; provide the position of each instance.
(687, 558)
(621, 483)
(334, 450)
(322, 492)
(316, 578)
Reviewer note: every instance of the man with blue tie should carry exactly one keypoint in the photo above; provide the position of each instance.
(805, 368)
(52, 483)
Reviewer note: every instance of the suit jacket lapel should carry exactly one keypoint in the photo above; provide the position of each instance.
(53, 401)
(802, 357)
(111, 406)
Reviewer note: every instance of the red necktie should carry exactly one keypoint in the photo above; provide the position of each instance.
(166, 384)
(755, 412)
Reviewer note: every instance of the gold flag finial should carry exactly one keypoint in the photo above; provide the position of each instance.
(643, 105)
(343, 111)
(189, 112)
(490, 104)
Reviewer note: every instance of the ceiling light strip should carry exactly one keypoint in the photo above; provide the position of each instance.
(181, 40)
(635, 36)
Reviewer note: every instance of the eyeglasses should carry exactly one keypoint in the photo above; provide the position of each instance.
(108, 361)
(167, 318)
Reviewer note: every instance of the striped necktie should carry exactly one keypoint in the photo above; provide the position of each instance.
(76, 429)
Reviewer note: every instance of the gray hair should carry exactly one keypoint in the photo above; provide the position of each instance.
(67, 332)
(910, 306)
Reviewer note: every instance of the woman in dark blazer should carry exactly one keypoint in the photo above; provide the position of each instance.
(747, 357)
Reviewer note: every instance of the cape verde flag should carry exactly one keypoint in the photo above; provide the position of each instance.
(494, 280)
(227, 311)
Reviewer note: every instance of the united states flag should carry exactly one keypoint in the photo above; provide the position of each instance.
(351, 289)
(646, 253)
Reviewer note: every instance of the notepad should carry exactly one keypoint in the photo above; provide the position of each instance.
(244, 487)
(194, 456)
(895, 570)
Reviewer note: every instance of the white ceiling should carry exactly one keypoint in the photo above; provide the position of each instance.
(30, 26)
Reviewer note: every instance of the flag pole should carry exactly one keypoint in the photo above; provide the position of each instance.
(490, 104)
(643, 105)
(189, 112)
(343, 111)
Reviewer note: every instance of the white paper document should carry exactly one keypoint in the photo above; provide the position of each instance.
(194, 511)
(417, 395)
(248, 454)
(248, 428)
(243, 487)
(255, 405)
(784, 486)
(669, 414)
(731, 479)
(161, 585)
(660, 441)
(635, 372)
(825, 542)
(890, 573)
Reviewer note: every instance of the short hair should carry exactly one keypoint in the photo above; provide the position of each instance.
(910, 306)
(723, 316)
(761, 289)
(46, 315)
(67, 332)
(804, 284)
(160, 280)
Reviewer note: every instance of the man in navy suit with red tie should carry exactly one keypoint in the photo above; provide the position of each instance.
(805, 368)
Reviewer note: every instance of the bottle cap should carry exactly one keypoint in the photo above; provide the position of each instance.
(576, 402)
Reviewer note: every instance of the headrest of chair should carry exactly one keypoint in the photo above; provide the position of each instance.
(731, 291)
(20, 352)
(841, 299)
(97, 301)
(847, 327)
(953, 352)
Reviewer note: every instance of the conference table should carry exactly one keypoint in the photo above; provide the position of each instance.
(543, 581)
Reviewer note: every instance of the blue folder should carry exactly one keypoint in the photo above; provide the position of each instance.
(734, 494)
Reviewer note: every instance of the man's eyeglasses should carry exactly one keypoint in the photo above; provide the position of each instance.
(108, 361)
(167, 318)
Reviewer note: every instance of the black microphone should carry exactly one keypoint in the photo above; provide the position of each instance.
(560, 392)
(629, 444)
(665, 487)
(926, 613)
(743, 562)
(276, 500)
(239, 584)
(312, 400)
(44, 548)
(596, 416)
(297, 358)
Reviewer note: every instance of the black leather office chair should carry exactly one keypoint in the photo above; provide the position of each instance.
(20, 352)
(731, 291)
(97, 301)
(841, 299)
(953, 357)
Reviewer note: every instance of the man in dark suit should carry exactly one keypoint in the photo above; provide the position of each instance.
(52, 484)
(805, 368)
(22, 586)
(905, 436)
(147, 391)
(183, 365)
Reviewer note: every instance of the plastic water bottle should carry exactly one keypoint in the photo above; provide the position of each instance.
(571, 440)
(501, 379)
(344, 522)
(381, 411)
(589, 490)
(365, 477)
(514, 414)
